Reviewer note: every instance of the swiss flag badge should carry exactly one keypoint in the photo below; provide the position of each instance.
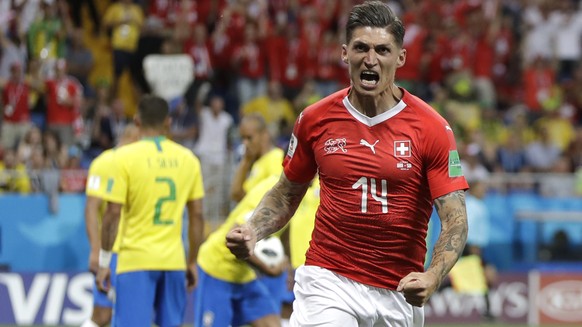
(402, 149)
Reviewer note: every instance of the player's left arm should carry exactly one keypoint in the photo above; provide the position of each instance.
(195, 238)
(418, 287)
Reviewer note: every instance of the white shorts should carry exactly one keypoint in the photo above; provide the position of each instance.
(324, 298)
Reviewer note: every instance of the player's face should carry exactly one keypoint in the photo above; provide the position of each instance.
(372, 57)
(251, 137)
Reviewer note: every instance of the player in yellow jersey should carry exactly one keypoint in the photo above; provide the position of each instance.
(94, 209)
(261, 158)
(228, 292)
(153, 180)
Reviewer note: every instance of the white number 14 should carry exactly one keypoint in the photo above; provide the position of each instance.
(363, 182)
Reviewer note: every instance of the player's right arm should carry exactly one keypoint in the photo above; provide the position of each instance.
(91, 225)
(108, 235)
(273, 213)
(195, 238)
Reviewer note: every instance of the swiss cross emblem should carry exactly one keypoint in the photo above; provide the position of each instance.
(401, 149)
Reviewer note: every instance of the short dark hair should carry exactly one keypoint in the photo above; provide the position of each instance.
(152, 110)
(375, 14)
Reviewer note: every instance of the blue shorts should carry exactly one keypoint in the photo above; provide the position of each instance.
(277, 287)
(100, 299)
(138, 292)
(220, 303)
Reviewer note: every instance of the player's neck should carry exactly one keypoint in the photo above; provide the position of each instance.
(151, 132)
(372, 106)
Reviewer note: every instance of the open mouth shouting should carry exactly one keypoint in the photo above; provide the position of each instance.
(369, 78)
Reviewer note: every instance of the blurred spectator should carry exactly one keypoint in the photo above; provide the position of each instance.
(54, 151)
(124, 20)
(567, 39)
(558, 183)
(539, 80)
(511, 156)
(80, 61)
(197, 48)
(151, 41)
(31, 142)
(472, 167)
(249, 60)
(100, 137)
(327, 62)
(213, 148)
(15, 107)
(13, 176)
(306, 97)
(284, 51)
(274, 108)
(542, 153)
(559, 127)
(12, 50)
(184, 127)
(539, 31)
(73, 176)
(76, 7)
(46, 36)
(64, 96)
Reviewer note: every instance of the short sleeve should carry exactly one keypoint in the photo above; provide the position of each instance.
(299, 165)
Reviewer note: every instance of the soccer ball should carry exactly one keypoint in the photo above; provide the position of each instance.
(270, 251)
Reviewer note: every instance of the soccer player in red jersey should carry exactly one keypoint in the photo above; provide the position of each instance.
(384, 157)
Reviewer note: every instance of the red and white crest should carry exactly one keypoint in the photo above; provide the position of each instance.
(402, 149)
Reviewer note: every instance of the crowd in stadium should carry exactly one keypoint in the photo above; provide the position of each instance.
(506, 74)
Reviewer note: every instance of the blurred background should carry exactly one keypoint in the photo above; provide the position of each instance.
(506, 74)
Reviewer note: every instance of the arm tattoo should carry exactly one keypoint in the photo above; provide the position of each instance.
(277, 207)
(451, 242)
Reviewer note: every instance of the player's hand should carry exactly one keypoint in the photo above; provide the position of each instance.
(94, 262)
(103, 279)
(241, 241)
(191, 277)
(417, 287)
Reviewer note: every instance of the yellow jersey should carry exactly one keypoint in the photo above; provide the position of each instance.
(301, 226)
(271, 163)
(153, 178)
(124, 36)
(214, 257)
(97, 180)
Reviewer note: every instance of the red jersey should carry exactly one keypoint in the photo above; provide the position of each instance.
(15, 102)
(56, 90)
(379, 177)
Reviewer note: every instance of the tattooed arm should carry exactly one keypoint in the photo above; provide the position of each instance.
(418, 287)
(272, 214)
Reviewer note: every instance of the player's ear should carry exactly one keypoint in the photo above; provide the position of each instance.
(345, 53)
(401, 58)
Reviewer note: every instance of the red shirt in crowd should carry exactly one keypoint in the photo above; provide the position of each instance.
(58, 93)
(15, 102)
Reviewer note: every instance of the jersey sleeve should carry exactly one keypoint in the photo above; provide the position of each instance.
(96, 179)
(117, 181)
(442, 161)
(197, 191)
(299, 165)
